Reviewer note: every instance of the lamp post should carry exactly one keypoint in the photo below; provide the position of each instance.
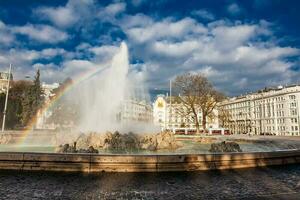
(6, 99)
(171, 122)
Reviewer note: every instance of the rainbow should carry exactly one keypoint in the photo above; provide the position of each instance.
(78, 79)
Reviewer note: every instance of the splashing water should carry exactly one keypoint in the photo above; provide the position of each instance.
(100, 97)
(102, 94)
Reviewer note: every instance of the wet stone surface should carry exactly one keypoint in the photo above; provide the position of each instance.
(260, 183)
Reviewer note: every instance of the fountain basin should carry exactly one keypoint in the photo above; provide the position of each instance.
(90, 163)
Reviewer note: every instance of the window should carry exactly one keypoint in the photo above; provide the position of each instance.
(293, 112)
(293, 105)
(292, 97)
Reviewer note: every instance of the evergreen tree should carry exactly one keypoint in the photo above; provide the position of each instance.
(33, 100)
(14, 106)
(37, 93)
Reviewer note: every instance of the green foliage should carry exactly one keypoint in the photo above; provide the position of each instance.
(14, 107)
(32, 100)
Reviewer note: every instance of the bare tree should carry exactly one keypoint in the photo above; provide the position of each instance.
(224, 116)
(197, 95)
(182, 110)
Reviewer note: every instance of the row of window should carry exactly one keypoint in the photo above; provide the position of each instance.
(259, 102)
(294, 120)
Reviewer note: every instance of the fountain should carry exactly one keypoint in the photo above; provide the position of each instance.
(102, 94)
(100, 141)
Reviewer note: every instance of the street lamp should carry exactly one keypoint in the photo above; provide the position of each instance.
(6, 98)
(170, 120)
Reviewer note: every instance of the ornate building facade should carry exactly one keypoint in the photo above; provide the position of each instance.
(4, 80)
(136, 111)
(169, 114)
(272, 111)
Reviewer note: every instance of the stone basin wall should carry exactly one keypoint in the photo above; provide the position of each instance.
(91, 163)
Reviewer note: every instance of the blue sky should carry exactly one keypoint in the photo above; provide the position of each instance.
(241, 46)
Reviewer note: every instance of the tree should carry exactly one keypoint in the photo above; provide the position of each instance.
(33, 100)
(223, 116)
(14, 107)
(197, 95)
(37, 92)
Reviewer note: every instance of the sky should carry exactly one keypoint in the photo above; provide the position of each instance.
(241, 46)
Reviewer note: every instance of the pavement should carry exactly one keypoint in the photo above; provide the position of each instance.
(279, 182)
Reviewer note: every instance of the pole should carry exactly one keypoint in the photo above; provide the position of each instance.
(6, 99)
(171, 103)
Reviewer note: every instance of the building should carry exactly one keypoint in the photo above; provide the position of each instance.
(4, 81)
(136, 111)
(169, 114)
(48, 90)
(43, 115)
(272, 111)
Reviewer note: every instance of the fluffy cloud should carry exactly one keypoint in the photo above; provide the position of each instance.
(73, 68)
(204, 14)
(71, 64)
(114, 9)
(68, 15)
(225, 52)
(26, 61)
(234, 9)
(6, 37)
(165, 28)
(137, 3)
(60, 16)
(236, 56)
(41, 33)
(80, 13)
(230, 37)
(177, 49)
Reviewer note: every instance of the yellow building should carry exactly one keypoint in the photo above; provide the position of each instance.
(169, 114)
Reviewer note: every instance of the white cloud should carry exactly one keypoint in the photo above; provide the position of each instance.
(138, 20)
(6, 37)
(41, 33)
(104, 51)
(224, 51)
(229, 37)
(204, 14)
(79, 13)
(71, 66)
(137, 3)
(67, 16)
(165, 28)
(234, 9)
(232, 54)
(177, 49)
(60, 16)
(115, 8)
(24, 62)
(51, 72)
(52, 52)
